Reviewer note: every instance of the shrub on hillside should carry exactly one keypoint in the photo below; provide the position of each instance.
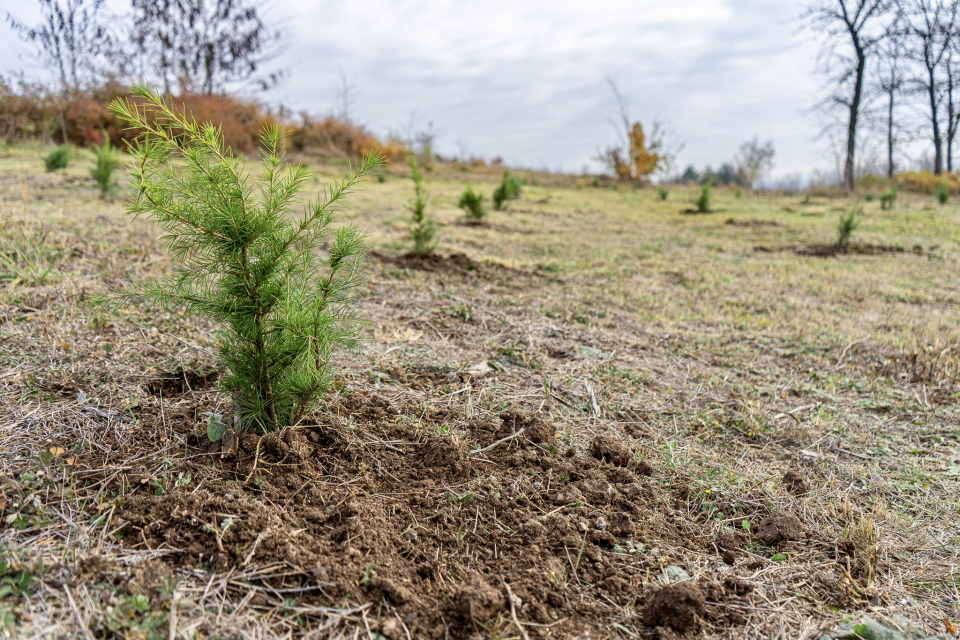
(333, 137)
(246, 259)
(927, 182)
(30, 111)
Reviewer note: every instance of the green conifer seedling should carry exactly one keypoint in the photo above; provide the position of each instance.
(58, 159)
(102, 172)
(508, 189)
(943, 193)
(472, 204)
(845, 228)
(423, 230)
(244, 259)
(703, 200)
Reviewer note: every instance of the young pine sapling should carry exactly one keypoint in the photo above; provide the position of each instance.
(943, 193)
(472, 204)
(888, 198)
(423, 229)
(703, 200)
(102, 172)
(508, 189)
(845, 228)
(243, 261)
(58, 159)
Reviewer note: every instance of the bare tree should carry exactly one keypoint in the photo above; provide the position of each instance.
(889, 85)
(952, 97)
(754, 161)
(346, 96)
(859, 24)
(71, 42)
(929, 29)
(205, 45)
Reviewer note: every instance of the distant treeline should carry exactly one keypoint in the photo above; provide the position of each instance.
(82, 117)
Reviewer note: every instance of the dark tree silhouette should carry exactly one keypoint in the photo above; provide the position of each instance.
(929, 31)
(204, 45)
(859, 25)
(70, 41)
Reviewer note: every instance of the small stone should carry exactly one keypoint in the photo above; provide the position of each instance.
(600, 524)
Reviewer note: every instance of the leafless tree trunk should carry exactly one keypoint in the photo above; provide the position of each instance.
(204, 45)
(929, 28)
(71, 41)
(889, 85)
(859, 24)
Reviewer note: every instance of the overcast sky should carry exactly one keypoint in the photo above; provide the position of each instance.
(525, 79)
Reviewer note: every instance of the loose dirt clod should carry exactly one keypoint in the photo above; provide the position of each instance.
(676, 606)
(534, 429)
(780, 527)
(730, 545)
(795, 483)
(612, 450)
(477, 601)
(396, 593)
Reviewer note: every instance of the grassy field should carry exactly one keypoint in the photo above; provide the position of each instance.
(724, 349)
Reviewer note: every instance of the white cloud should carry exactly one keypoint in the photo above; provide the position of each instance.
(525, 79)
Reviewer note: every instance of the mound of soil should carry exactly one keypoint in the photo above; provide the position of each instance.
(677, 606)
(181, 381)
(795, 483)
(365, 508)
(779, 527)
(456, 263)
(753, 222)
(612, 450)
(830, 250)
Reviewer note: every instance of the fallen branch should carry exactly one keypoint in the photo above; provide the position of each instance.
(517, 434)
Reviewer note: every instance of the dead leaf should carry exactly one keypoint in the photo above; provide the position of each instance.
(952, 630)
(408, 334)
(228, 444)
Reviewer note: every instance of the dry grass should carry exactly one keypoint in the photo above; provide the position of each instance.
(603, 310)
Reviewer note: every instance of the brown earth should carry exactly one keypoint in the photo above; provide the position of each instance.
(371, 508)
(456, 263)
